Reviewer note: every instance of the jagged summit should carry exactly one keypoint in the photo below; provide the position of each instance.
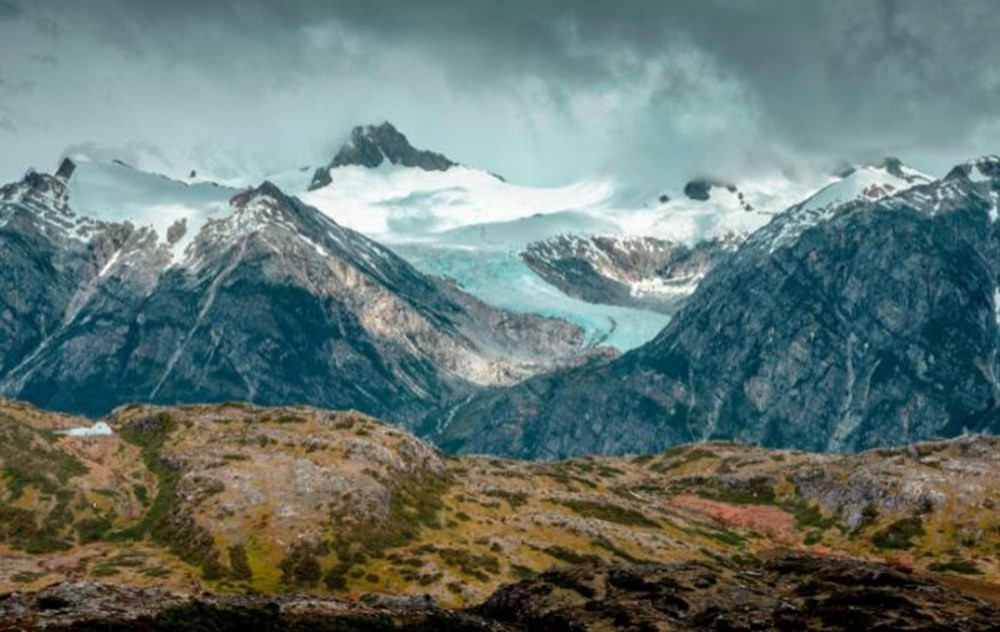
(978, 169)
(42, 192)
(371, 145)
(66, 169)
(264, 189)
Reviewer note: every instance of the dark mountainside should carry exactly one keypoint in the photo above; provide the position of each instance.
(874, 325)
(275, 303)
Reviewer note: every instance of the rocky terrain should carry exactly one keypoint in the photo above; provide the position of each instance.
(234, 498)
(836, 327)
(371, 145)
(642, 272)
(780, 591)
(248, 296)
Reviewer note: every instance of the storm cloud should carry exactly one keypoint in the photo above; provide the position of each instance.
(540, 91)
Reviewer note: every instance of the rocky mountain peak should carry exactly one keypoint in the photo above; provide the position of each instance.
(977, 170)
(892, 165)
(66, 169)
(371, 145)
(257, 208)
(266, 189)
(700, 189)
(41, 191)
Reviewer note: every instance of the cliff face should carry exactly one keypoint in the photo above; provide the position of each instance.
(837, 327)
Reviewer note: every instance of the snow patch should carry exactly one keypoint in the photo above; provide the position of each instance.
(657, 286)
(996, 306)
(868, 183)
(100, 429)
(111, 262)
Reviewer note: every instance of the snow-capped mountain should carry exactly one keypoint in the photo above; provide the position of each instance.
(660, 273)
(123, 286)
(864, 183)
(875, 322)
(472, 226)
(376, 144)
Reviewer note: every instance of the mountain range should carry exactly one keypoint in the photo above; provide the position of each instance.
(841, 326)
(392, 391)
(489, 316)
(124, 286)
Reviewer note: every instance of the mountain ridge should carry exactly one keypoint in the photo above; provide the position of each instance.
(812, 335)
(129, 311)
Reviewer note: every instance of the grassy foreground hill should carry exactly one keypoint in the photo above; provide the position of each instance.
(233, 498)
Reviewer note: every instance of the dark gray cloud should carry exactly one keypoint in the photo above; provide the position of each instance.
(540, 90)
(9, 10)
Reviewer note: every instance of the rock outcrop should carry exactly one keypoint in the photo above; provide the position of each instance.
(642, 272)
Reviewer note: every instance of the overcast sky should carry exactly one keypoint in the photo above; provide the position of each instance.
(539, 91)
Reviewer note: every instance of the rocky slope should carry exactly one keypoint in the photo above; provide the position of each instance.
(123, 286)
(642, 272)
(778, 592)
(836, 327)
(235, 498)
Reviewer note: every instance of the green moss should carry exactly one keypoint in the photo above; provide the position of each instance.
(899, 534)
(481, 567)
(26, 577)
(415, 503)
(569, 556)
(32, 458)
(165, 521)
(961, 567)
(809, 516)
(104, 570)
(301, 567)
(239, 564)
(514, 499)
(603, 543)
(753, 491)
(521, 572)
(141, 494)
(92, 529)
(608, 513)
(724, 536)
